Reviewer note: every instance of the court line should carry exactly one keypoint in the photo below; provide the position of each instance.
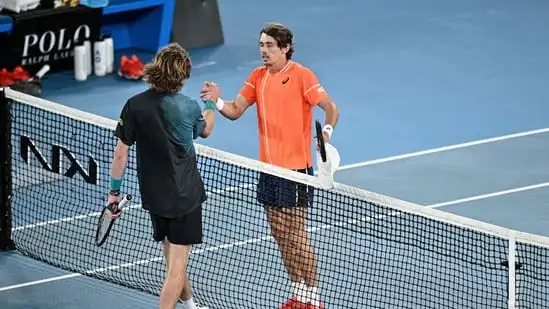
(442, 149)
(269, 237)
(489, 195)
(98, 213)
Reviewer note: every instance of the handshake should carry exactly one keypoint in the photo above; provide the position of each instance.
(210, 92)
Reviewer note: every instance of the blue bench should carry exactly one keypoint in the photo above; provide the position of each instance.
(141, 24)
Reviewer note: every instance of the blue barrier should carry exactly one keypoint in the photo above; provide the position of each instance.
(5, 23)
(141, 24)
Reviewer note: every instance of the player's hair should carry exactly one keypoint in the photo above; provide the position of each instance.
(169, 69)
(282, 35)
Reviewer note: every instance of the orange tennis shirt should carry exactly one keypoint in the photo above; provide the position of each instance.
(285, 102)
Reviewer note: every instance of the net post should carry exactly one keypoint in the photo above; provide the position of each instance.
(512, 265)
(6, 242)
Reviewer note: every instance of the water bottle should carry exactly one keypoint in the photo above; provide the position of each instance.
(109, 52)
(99, 57)
(88, 56)
(95, 3)
(80, 62)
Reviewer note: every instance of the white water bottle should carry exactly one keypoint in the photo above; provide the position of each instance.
(109, 51)
(99, 57)
(80, 62)
(88, 57)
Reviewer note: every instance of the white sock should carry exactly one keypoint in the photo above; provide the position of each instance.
(189, 304)
(313, 297)
(299, 290)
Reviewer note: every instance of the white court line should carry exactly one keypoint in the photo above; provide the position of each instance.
(269, 237)
(489, 195)
(442, 149)
(97, 214)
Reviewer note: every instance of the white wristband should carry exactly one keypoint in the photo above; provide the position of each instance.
(328, 129)
(219, 104)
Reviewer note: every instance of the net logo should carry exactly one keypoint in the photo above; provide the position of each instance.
(57, 155)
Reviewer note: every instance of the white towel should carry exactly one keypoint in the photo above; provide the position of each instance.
(18, 6)
(327, 169)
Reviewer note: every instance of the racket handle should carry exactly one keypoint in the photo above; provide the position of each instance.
(127, 198)
(41, 73)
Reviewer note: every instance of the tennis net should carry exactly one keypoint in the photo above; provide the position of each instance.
(372, 251)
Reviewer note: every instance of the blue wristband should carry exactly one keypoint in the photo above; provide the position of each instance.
(115, 184)
(210, 105)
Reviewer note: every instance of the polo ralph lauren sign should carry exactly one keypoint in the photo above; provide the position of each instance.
(47, 36)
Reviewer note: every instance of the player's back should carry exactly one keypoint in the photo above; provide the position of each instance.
(165, 126)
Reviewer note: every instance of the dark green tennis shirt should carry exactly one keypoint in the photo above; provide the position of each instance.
(163, 127)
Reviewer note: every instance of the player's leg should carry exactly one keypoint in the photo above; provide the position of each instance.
(277, 218)
(175, 261)
(175, 277)
(294, 200)
(307, 259)
(267, 195)
(193, 229)
(175, 235)
(188, 231)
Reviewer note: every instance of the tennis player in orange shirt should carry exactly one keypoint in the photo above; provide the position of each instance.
(285, 93)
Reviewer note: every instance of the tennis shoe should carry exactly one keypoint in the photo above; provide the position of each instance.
(309, 306)
(20, 74)
(6, 78)
(131, 68)
(179, 300)
(293, 303)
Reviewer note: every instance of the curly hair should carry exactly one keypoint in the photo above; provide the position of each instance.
(283, 36)
(169, 69)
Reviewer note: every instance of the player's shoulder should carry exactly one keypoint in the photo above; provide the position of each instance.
(258, 72)
(138, 101)
(301, 69)
(187, 101)
(144, 98)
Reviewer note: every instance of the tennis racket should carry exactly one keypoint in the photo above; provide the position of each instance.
(320, 141)
(33, 85)
(106, 220)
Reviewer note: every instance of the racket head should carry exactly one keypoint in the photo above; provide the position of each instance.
(104, 226)
(106, 220)
(320, 140)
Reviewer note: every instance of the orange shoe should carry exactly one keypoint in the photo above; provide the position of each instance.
(293, 303)
(309, 306)
(20, 74)
(131, 68)
(6, 78)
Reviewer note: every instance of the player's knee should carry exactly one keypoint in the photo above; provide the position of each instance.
(177, 269)
(277, 231)
(178, 259)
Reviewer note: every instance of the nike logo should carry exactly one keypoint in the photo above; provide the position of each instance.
(285, 80)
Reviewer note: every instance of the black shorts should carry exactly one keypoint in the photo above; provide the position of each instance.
(274, 191)
(186, 230)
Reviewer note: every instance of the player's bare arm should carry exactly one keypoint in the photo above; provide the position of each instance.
(209, 119)
(233, 109)
(332, 116)
(120, 160)
(119, 163)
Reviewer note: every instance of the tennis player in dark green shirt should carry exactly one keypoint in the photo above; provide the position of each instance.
(163, 123)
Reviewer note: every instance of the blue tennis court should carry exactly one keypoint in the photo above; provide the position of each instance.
(442, 103)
